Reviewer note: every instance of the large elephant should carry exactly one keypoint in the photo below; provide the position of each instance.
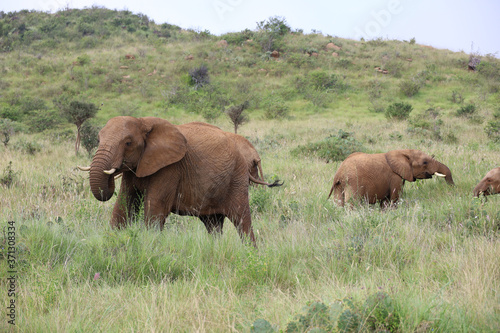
(380, 177)
(189, 169)
(490, 184)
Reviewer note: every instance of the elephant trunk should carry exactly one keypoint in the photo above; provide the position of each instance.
(443, 169)
(102, 184)
(478, 190)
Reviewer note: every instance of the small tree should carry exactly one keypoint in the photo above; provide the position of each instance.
(77, 113)
(236, 115)
(271, 33)
(89, 135)
(6, 130)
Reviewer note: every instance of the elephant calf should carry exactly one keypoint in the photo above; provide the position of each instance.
(380, 177)
(490, 184)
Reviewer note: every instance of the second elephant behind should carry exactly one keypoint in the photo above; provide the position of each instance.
(380, 177)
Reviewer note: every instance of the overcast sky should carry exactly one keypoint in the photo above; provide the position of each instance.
(458, 25)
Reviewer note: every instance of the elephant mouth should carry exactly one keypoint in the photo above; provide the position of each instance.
(424, 175)
(427, 175)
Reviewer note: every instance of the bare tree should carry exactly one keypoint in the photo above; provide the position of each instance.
(236, 115)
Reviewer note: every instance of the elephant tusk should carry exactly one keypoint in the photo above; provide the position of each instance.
(118, 176)
(439, 174)
(110, 172)
(83, 168)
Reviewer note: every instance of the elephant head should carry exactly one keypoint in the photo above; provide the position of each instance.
(412, 164)
(490, 184)
(140, 145)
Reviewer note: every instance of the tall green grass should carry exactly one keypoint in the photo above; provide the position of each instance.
(436, 254)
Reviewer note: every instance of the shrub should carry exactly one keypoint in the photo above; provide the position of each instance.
(83, 60)
(11, 113)
(28, 147)
(29, 104)
(274, 107)
(492, 129)
(42, 120)
(466, 111)
(377, 314)
(489, 69)
(333, 148)
(238, 38)
(456, 97)
(409, 87)
(198, 77)
(8, 176)
(270, 33)
(6, 130)
(427, 124)
(398, 110)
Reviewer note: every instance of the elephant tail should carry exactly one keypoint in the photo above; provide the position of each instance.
(257, 181)
(331, 191)
(337, 192)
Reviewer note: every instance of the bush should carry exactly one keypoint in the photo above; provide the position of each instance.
(399, 111)
(300, 60)
(409, 87)
(333, 148)
(198, 77)
(489, 69)
(8, 176)
(83, 60)
(238, 38)
(377, 314)
(492, 129)
(427, 124)
(6, 130)
(270, 33)
(28, 147)
(274, 107)
(42, 120)
(466, 111)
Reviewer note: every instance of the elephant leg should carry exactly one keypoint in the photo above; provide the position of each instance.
(213, 223)
(242, 220)
(125, 207)
(155, 213)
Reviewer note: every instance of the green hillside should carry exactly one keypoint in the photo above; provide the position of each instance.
(81, 54)
(429, 264)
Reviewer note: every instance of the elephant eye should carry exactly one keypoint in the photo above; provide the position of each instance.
(425, 162)
(128, 143)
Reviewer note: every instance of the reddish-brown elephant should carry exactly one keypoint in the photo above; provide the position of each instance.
(490, 184)
(250, 154)
(380, 177)
(189, 169)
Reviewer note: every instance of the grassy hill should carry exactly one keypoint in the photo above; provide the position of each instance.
(433, 260)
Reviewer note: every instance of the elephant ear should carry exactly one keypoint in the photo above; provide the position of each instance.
(400, 163)
(164, 145)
